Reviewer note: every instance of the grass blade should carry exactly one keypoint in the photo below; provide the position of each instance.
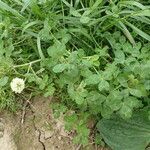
(95, 5)
(133, 3)
(126, 32)
(26, 4)
(142, 19)
(138, 31)
(66, 3)
(29, 25)
(5, 7)
(39, 48)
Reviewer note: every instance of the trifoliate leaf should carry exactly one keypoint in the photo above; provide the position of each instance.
(103, 85)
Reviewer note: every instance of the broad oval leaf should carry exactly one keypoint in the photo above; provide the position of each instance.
(131, 134)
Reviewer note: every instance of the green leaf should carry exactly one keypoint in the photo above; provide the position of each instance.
(26, 4)
(5, 7)
(94, 96)
(70, 121)
(74, 12)
(77, 95)
(134, 3)
(49, 90)
(136, 92)
(28, 25)
(72, 70)
(106, 111)
(94, 99)
(80, 31)
(127, 107)
(9, 49)
(82, 134)
(92, 79)
(145, 13)
(103, 85)
(59, 68)
(92, 8)
(119, 56)
(138, 31)
(147, 84)
(126, 32)
(125, 111)
(99, 140)
(3, 81)
(79, 99)
(102, 52)
(58, 109)
(114, 100)
(122, 80)
(43, 82)
(57, 50)
(39, 48)
(110, 71)
(67, 4)
(132, 102)
(131, 134)
(84, 19)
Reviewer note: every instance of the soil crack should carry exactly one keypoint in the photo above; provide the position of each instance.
(39, 133)
(39, 139)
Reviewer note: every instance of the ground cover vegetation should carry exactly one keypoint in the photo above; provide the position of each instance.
(91, 55)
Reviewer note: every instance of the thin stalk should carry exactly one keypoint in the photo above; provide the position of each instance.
(27, 64)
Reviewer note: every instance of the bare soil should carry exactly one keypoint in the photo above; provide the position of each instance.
(35, 128)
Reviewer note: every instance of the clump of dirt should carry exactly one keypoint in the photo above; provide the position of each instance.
(40, 131)
(35, 129)
(6, 139)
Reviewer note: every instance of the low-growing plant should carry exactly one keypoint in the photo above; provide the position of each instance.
(93, 55)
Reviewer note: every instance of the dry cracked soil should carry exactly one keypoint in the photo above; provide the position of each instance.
(35, 128)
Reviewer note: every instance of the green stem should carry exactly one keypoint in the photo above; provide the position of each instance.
(39, 48)
(26, 64)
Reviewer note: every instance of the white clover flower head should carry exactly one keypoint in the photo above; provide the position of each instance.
(17, 85)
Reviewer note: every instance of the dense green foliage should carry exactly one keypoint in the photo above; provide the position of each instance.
(92, 54)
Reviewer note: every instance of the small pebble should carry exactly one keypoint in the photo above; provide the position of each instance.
(59, 137)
